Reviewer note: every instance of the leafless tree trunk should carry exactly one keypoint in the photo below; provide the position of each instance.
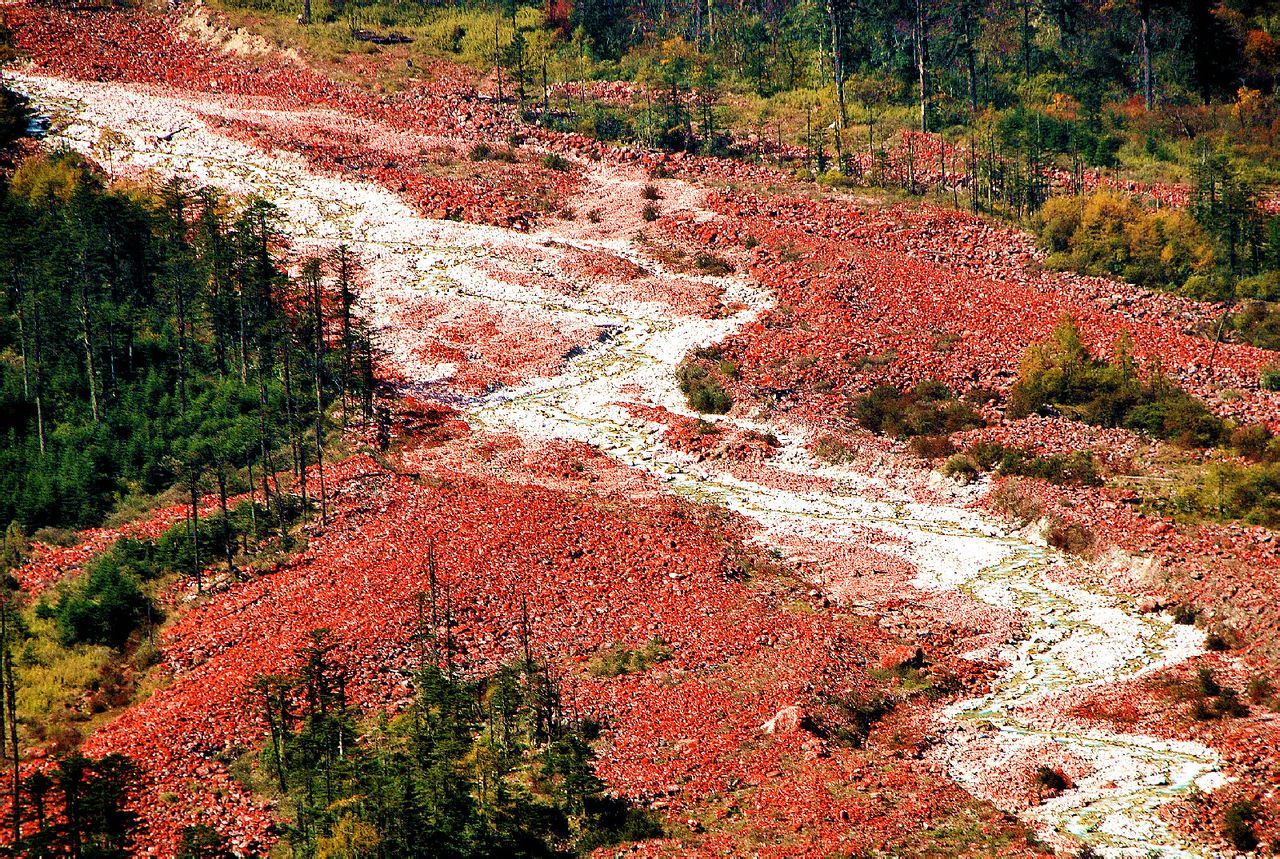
(922, 61)
(837, 62)
(1144, 45)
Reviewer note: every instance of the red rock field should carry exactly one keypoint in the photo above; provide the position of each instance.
(537, 447)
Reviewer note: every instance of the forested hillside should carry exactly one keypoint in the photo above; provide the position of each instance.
(1143, 84)
(151, 337)
(1166, 104)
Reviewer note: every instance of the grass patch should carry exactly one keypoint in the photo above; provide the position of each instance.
(1238, 825)
(1061, 376)
(556, 162)
(620, 659)
(834, 450)
(928, 409)
(702, 389)
(485, 152)
(710, 264)
(1079, 468)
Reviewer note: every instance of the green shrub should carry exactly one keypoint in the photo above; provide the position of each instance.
(928, 409)
(1012, 497)
(105, 605)
(931, 446)
(1078, 468)
(1071, 537)
(650, 192)
(1258, 324)
(1061, 374)
(556, 162)
(703, 391)
(650, 212)
(1237, 825)
(1247, 493)
(1255, 442)
(13, 116)
(1270, 377)
(1051, 780)
(713, 265)
(50, 536)
(961, 467)
(1113, 234)
(484, 152)
(833, 450)
(1206, 682)
(620, 659)
(848, 718)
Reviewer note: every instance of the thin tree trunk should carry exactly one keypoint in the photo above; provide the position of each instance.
(86, 340)
(972, 57)
(10, 704)
(1026, 39)
(226, 521)
(1144, 43)
(922, 62)
(195, 527)
(20, 305)
(837, 63)
(318, 312)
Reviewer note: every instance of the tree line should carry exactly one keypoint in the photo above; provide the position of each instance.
(488, 765)
(153, 338)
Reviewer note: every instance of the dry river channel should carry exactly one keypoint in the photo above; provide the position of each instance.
(1073, 636)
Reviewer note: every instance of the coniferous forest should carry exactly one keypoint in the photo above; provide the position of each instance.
(152, 338)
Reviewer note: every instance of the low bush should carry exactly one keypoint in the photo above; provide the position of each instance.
(1270, 377)
(1255, 442)
(1051, 780)
(713, 265)
(849, 718)
(13, 116)
(1071, 537)
(650, 192)
(620, 659)
(1078, 468)
(833, 450)
(556, 162)
(961, 467)
(1237, 825)
(246, 525)
(1061, 375)
(1112, 234)
(485, 152)
(62, 537)
(1258, 323)
(931, 446)
(1260, 689)
(1249, 493)
(106, 604)
(1012, 497)
(930, 408)
(703, 391)
(1210, 700)
(650, 212)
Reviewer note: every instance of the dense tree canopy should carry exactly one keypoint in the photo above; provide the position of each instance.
(150, 337)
